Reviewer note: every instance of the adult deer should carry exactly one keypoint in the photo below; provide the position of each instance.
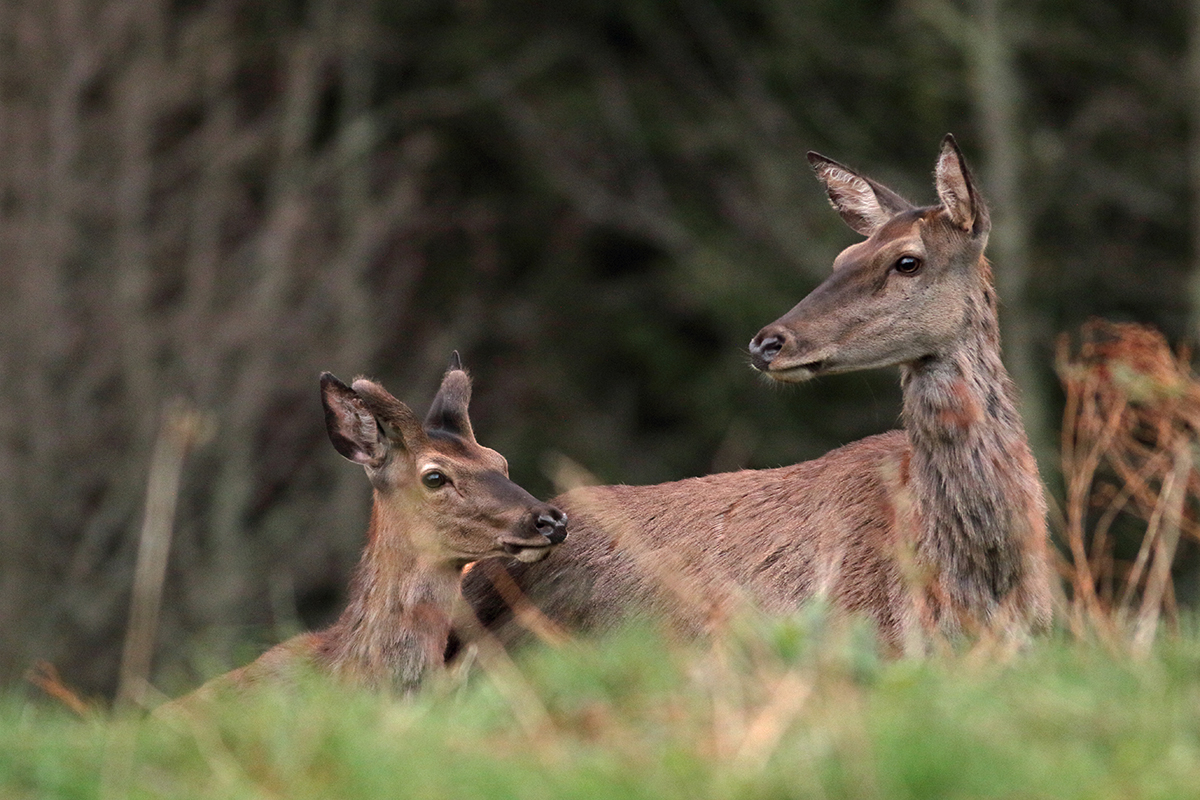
(441, 501)
(939, 526)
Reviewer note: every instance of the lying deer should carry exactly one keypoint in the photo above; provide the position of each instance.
(939, 526)
(441, 501)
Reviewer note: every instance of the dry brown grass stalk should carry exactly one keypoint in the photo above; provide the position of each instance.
(1129, 434)
(526, 613)
(44, 675)
(182, 428)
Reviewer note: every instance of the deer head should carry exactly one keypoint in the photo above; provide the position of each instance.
(450, 495)
(903, 295)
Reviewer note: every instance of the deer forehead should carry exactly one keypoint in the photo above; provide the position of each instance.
(462, 456)
(908, 242)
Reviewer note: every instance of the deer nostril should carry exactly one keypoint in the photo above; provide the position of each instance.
(763, 349)
(553, 525)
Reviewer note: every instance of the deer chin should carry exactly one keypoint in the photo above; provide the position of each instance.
(527, 552)
(796, 373)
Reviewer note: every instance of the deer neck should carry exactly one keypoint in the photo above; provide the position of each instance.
(972, 472)
(397, 620)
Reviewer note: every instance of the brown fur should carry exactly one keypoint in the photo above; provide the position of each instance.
(939, 526)
(685, 550)
(395, 627)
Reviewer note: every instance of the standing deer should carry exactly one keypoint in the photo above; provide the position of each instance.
(936, 527)
(441, 501)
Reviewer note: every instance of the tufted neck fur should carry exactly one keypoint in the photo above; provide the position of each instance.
(397, 620)
(972, 471)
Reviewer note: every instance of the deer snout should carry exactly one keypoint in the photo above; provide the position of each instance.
(542, 528)
(766, 345)
(779, 352)
(551, 523)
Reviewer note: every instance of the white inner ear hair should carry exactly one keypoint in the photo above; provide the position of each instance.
(952, 190)
(856, 192)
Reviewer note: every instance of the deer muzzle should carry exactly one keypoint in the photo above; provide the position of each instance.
(778, 353)
(545, 527)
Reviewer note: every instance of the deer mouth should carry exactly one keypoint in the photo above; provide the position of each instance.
(797, 372)
(526, 551)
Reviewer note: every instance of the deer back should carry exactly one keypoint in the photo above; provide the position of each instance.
(689, 552)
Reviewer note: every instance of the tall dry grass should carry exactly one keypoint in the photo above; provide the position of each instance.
(1129, 440)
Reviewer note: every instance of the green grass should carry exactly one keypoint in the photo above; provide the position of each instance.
(776, 709)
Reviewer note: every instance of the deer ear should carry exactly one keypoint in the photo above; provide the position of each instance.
(397, 424)
(449, 410)
(956, 190)
(352, 428)
(863, 203)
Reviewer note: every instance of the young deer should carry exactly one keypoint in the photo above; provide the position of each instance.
(940, 526)
(441, 501)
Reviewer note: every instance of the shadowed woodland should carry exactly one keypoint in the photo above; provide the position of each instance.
(205, 203)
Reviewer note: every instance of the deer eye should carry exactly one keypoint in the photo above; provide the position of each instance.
(433, 479)
(908, 265)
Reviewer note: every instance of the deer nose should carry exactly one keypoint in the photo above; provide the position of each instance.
(765, 346)
(551, 523)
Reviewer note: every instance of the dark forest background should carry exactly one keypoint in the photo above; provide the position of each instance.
(597, 203)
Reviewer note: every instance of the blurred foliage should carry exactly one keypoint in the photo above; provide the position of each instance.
(597, 203)
(799, 708)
